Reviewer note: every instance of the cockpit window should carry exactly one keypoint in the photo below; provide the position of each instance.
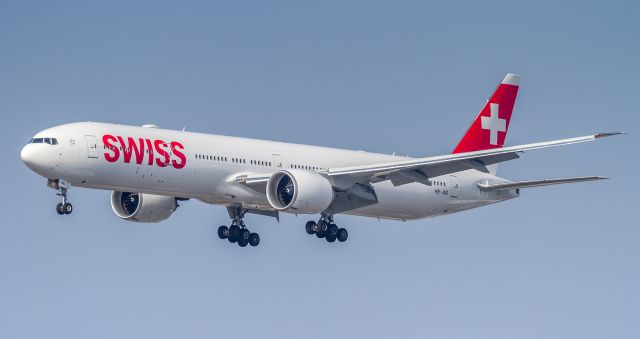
(50, 141)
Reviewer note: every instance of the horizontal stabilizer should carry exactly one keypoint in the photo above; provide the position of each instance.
(536, 183)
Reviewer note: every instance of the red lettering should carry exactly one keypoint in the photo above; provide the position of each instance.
(165, 151)
(150, 149)
(107, 140)
(178, 153)
(131, 148)
(160, 149)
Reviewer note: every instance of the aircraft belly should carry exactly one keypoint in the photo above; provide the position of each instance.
(410, 201)
(416, 201)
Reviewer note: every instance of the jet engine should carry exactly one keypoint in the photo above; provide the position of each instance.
(298, 191)
(142, 207)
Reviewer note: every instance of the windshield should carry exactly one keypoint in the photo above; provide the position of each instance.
(50, 141)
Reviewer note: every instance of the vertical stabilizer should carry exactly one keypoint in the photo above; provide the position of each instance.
(490, 127)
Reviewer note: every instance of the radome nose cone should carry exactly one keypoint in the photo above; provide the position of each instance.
(28, 156)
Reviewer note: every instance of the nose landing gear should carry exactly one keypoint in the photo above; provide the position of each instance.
(238, 232)
(327, 229)
(63, 187)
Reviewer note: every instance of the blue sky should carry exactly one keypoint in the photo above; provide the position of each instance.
(405, 77)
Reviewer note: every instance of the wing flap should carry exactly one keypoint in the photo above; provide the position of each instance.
(257, 182)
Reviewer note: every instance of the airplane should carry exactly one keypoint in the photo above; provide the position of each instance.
(150, 170)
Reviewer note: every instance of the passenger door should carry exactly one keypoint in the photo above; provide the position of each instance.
(92, 146)
(277, 162)
(454, 186)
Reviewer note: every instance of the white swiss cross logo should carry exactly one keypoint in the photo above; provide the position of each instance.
(494, 124)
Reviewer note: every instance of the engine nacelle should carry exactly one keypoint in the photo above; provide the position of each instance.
(299, 191)
(142, 207)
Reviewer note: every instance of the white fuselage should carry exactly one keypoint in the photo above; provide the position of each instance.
(204, 167)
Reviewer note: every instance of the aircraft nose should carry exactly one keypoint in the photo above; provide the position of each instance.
(36, 158)
(28, 156)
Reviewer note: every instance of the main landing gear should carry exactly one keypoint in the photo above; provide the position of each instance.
(237, 232)
(327, 229)
(63, 207)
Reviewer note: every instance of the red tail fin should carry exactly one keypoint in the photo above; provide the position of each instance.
(490, 127)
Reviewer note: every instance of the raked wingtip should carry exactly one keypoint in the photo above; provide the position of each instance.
(610, 134)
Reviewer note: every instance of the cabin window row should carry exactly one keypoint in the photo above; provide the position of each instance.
(233, 160)
(260, 163)
(210, 157)
(439, 183)
(305, 167)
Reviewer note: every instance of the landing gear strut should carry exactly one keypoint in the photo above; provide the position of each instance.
(238, 232)
(62, 186)
(327, 229)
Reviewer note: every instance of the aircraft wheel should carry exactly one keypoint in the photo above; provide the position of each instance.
(242, 242)
(330, 238)
(59, 208)
(223, 232)
(67, 208)
(234, 233)
(342, 235)
(319, 234)
(244, 235)
(332, 230)
(322, 226)
(254, 239)
(309, 227)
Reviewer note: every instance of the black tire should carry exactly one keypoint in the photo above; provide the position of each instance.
(244, 235)
(59, 208)
(234, 233)
(342, 235)
(310, 227)
(67, 208)
(254, 239)
(332, 230)
(320, 234)
(223, 232)
(322, 226)
(242, 243)
(330, 238)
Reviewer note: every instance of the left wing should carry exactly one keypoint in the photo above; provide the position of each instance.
(421, 169)
(535, 183)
